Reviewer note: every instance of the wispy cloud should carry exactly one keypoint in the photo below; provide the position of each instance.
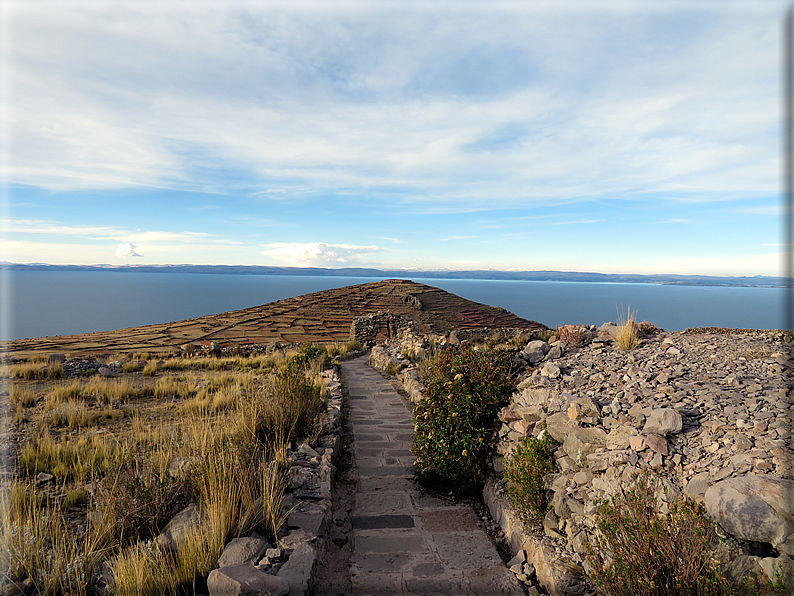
(302, 103)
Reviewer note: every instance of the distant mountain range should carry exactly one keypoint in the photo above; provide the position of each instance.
(577, 276)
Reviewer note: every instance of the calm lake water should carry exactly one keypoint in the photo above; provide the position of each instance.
(42, 303)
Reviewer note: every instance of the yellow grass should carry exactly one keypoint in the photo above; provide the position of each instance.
(628, 334)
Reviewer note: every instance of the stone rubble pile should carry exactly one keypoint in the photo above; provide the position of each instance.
(710, 413)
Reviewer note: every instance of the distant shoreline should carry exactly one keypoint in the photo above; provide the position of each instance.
(758, 281)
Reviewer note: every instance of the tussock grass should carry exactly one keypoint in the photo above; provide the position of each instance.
(150, 369)
(178, 364)
(628, 336)
(29, 371)
(73, 414)
(75, 459)
(131, 366)
(227, 455)
(115, 390)
(22, 397)
(64, 393)
(174, 387)
(38, 544)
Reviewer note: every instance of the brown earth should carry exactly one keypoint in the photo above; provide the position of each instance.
(319, 317)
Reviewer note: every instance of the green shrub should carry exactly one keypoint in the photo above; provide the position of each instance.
(641, 551)
(525, 469)
(456, 419)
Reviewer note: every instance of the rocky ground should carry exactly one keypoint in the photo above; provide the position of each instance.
(707, 410)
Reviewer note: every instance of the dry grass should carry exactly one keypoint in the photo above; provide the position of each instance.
(628, 336)
(75, 459)
(38, 544)
(150, 369)
(22, 397)
(230, 450)
(28, 371)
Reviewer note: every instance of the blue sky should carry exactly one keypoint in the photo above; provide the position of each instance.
(626, 137)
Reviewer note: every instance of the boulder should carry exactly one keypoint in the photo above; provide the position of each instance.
(663, 421)
(551, 370)
(243, 550)
(619, 436)
(555, 352)
(179, 527)
(580, 442)
(237, 580)
(657, 443)
(539, 344)
(533, 355)
(559, 425)
(758, 508)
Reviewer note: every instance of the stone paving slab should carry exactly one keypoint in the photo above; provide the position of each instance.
(406, 541)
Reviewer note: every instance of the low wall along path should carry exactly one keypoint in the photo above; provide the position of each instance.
(406, 541)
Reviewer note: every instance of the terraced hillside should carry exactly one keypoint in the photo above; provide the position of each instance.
(319, 317)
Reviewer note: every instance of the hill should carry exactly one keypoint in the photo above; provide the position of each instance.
(320, 317)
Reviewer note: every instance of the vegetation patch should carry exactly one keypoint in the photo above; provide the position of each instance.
(525, 469)
(628, 336)
(211, 431)
(456, 420)
(638, 550)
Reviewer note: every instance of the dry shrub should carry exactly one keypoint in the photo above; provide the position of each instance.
(139, 501)
(571, 335)
(648, 328)
(640, 551)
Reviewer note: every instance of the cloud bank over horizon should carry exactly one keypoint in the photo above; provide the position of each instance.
(590, 136)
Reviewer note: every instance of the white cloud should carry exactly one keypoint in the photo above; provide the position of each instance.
(319, 253)
(342, 99)
(125, 249)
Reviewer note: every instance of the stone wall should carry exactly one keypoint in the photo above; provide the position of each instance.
(367, 329)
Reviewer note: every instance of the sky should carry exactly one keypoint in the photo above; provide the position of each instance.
(614, 137)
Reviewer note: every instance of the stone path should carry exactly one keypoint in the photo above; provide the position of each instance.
(406, 541)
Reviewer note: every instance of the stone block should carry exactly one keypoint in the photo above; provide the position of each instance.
(239, 580)
(663, 421)
(298, 570)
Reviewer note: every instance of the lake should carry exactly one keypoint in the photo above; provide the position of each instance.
(42, 303)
